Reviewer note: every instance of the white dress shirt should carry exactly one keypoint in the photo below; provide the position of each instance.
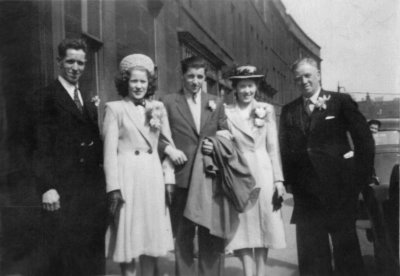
(313, 100)
(70, 88)
(195, 107)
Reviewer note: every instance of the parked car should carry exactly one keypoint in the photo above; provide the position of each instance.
(387, 155)
(381, 202)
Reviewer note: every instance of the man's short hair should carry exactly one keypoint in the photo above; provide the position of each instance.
(193, 62)
(71, 43)
(374, 122)
(308, 60)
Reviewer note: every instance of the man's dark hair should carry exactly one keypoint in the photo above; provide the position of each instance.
(374, 122)
(193, 62)
(71, 43)
(122, 83)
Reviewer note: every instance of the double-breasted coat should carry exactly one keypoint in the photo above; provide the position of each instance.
(68, 157)
(132, 165)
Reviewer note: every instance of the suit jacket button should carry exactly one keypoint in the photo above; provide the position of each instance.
(149, 151)
(137, 152)
(81, 160)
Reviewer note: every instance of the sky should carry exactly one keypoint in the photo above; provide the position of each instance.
(359, 40)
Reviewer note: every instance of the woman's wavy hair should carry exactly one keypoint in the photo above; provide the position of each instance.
(122, 82)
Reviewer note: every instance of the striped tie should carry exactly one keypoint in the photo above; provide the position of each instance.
(76, 100)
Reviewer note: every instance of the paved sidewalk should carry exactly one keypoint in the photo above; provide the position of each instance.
(281, 262)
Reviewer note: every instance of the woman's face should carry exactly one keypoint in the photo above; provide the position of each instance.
(138, 84)
(246, 90)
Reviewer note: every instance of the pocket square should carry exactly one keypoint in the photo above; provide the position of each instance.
(348, 155)
(329, 117)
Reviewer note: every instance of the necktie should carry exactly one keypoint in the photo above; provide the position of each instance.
(308, 106)
(194, 96)
(76, 100)
(141, 102)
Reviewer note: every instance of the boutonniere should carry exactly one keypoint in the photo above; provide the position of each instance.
(96, 101)
(260, 112)
(321, 102)
(154, 114)
(212, 105)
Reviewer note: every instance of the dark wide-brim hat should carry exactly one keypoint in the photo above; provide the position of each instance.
(246, 72)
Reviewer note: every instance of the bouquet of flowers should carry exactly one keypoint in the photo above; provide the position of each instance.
(154, 114)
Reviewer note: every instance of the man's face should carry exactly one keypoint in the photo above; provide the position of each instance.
(307, 79)
(374, 128)
(72, 65)
(193, 79)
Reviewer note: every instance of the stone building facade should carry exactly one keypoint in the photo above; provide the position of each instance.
(224, 32)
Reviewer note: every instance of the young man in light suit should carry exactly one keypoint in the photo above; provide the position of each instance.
(324, 174)
(193, 115)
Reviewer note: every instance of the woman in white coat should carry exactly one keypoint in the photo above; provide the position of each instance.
(253, 128)
(137, 181)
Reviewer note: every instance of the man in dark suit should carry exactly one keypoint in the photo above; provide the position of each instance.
(193, 115)
(67, 166)
(323, 172)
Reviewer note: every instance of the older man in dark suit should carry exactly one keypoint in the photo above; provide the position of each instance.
(324, 174)
(193, 115)
(67, 166)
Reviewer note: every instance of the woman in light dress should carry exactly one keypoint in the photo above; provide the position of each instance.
(253, 127)
(137, 181)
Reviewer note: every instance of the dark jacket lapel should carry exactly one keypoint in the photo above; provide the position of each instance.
(183, 108)
(65, 101)
(300, 115)
(318, 114)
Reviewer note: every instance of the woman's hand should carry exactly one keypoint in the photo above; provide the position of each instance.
(115, 202)
(280, 188)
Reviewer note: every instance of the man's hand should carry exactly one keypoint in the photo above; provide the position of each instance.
(207, 147)
(51, 200)
(115, 202)
(177, 156)
(169, 194)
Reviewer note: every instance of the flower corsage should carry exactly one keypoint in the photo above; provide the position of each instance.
(260, 112)
(321, 102)
(154, 114)
(212, 105)
(96, 100)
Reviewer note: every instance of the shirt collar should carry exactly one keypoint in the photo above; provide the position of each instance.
(314, 97)
(189, 94)
(68, 86)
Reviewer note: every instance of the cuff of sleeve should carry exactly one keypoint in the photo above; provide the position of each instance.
(168, 150)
